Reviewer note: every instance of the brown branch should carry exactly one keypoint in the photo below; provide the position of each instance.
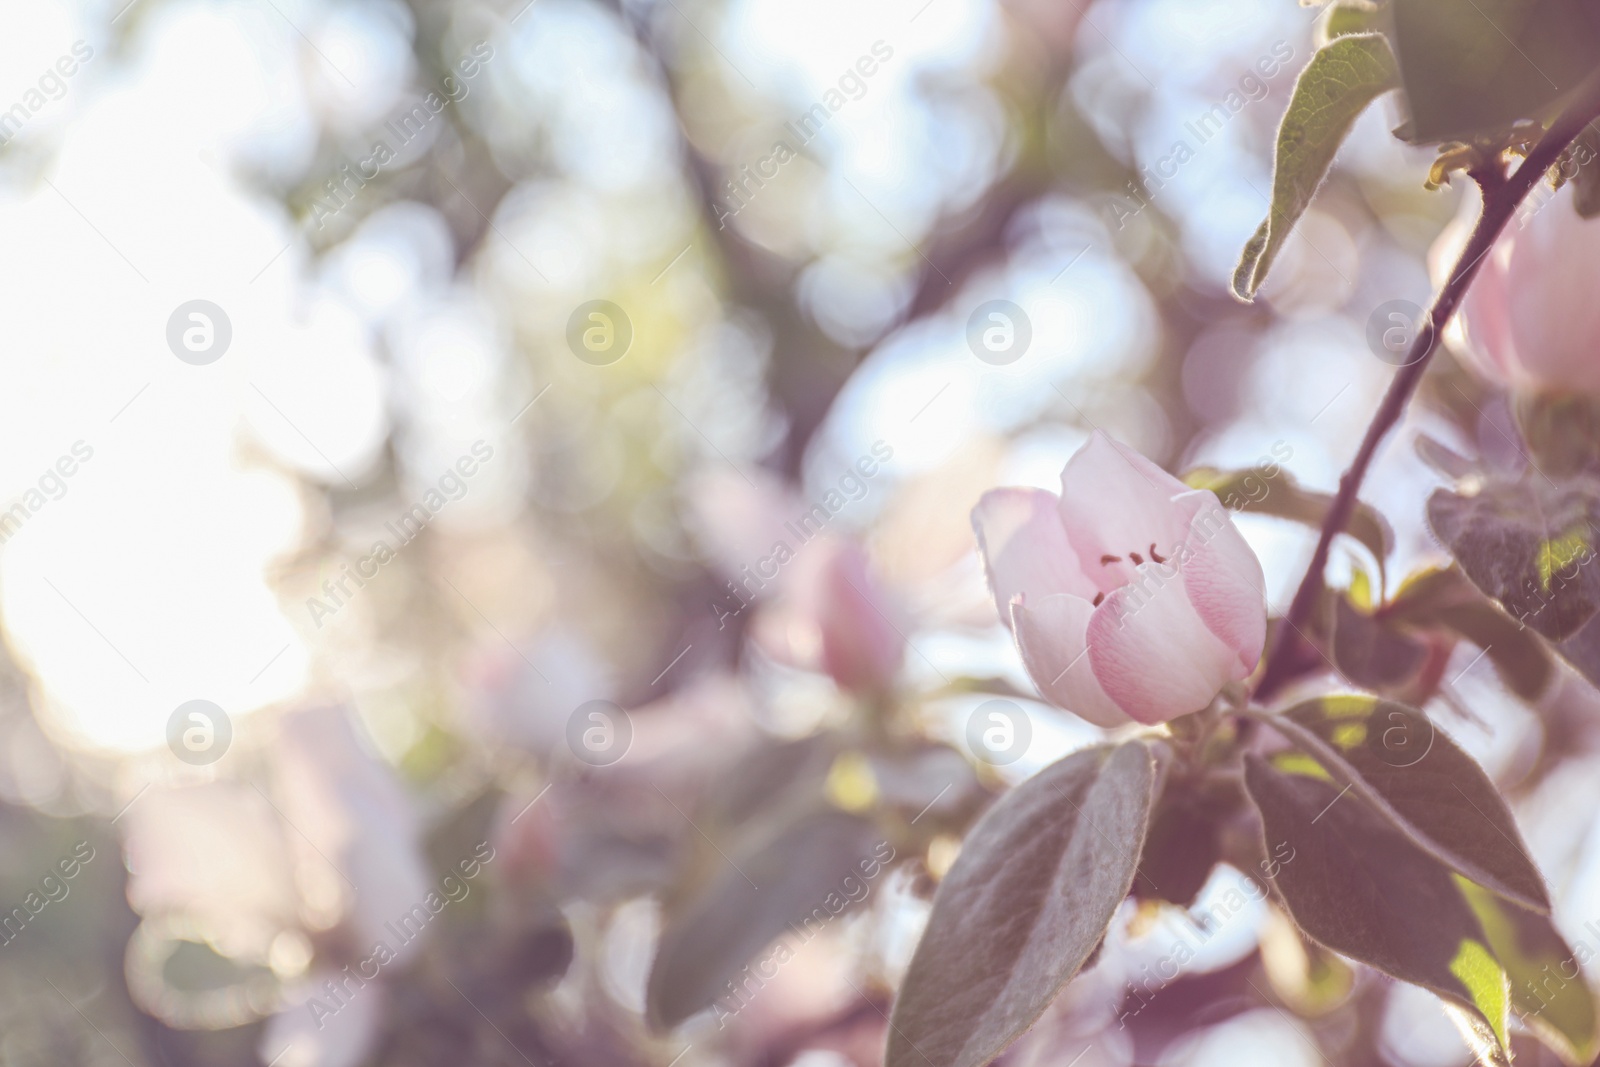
(1500, 203)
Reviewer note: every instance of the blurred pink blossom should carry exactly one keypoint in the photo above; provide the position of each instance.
(833, 615)
(1530, 321)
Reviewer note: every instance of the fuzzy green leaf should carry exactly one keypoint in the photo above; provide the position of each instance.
(1346, 17)
(1025, 905)
(1412, 774)
(1342, 78)
(804, 875)
(1274, 491)
(1360, 887)
(1549, 995)
(1527, 545)
(1444, 597)
(1371, 654)
(1473, 68)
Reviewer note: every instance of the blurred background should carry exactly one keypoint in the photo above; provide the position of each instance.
(405, 402)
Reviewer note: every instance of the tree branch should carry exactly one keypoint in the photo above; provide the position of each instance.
(1499, 204)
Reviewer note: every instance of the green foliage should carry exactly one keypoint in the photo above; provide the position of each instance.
(1278, 494)
(1526, 544)
(1445, 598)
(1472, 69)
(1025, 905)
(1370, 653)
(1185, 840)
(799, 875)
(1337, 85)
(1413, 775)
(1346, 17)
(1397, 838)
(1361, 887)
(1548, 992)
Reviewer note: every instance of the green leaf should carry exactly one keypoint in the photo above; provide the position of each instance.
(1357, 885)
(1527, 545)
(1371, 654)
(1444, 597)
(1444, 459)
(1278, 494)
(1340, 81)
(798, 880)
(1184, 843)
(1474, 68)
(1415, 776)
(1026, 903)
(1345, 17)
(1549, 995)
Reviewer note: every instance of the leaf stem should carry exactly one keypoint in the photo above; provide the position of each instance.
(1499, 204)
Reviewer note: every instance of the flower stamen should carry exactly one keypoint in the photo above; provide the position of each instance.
(1154, 555)
(1109, 559)
(1097, 598)
(1137, 559)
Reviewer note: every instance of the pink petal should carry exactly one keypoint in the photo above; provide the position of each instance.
(1224, 579)
(1550, 296)
(1152, 653)
(1115, 501)
(861, 648)
(1480, 334)
(1025, 549)
(1051, 633)
(1489, 345)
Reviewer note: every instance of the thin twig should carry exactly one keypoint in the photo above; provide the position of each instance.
(1499, 205)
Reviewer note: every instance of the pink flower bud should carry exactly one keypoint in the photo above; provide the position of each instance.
(834, 616)
(1530, 321)
(1131, 596)
(861, 648)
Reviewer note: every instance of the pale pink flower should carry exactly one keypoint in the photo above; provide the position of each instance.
(1131, 596)
(834, 615)
(1530, 321)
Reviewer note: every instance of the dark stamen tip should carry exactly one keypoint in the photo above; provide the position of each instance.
(1136, 557)
(1154, 555)
(1097, 598)
(1108, 558)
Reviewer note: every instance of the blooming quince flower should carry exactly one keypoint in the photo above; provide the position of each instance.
(1131, 596)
